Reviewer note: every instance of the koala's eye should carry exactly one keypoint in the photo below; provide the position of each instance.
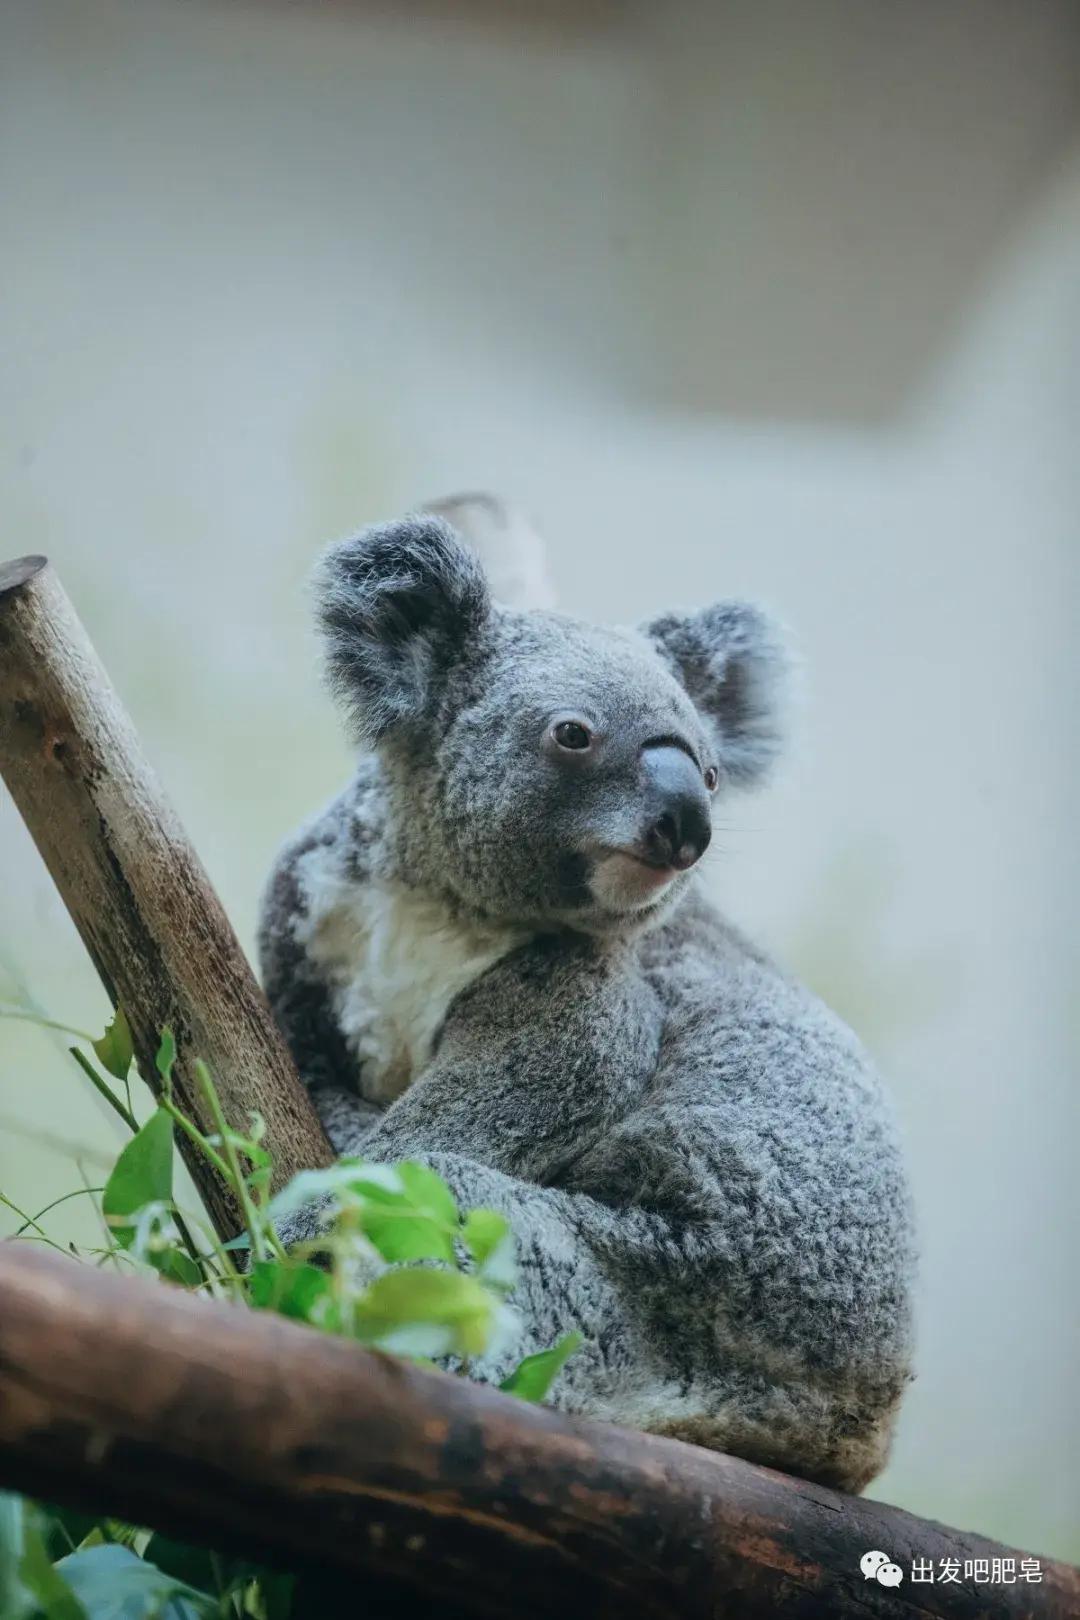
(572, 734)
(712, 776)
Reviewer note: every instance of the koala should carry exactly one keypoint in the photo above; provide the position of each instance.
(493, 952)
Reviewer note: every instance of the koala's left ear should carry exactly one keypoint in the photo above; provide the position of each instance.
(734, 664)
(398, 605)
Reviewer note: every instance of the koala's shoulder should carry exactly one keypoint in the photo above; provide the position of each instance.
(697, 955)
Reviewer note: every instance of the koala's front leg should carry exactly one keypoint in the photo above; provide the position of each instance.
(545, 1052)
(581, 1267)
(535, 1061)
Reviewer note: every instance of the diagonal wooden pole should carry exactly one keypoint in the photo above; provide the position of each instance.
(127, 873)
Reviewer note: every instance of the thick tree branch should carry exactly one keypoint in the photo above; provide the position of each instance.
(134, 886)
(239, 1429)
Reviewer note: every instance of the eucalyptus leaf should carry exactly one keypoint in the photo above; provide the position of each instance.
(53, 1596)
(114, 1049)
(137, 1202)
(427, 1192)
(401, 1235)
(179, 1267)
(15, 1600)
(347, 1181)
(166, 1056)
(113, 1583)
(489, 1240)
(533, 1377)
(143, 1174)
(450, 1300)
(291, 1289)
(422, 1342)
(483, 1231)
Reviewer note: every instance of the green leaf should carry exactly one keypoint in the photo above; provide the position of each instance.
(427, 1192)
(15, 1600)
(483, 1231)
(179, 1267)
(348, 1181)
(153, 1236)
(401, 1235)
(417, 1220)
(142, 1175)
(114, 1049)
(95, 1537)
(533, 1377)
(52, 1594)
(299, 1291)
(113, 1583)
(166, 1057)
(490, 1241)
(455, 1312)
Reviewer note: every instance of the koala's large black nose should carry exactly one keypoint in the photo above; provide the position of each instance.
(678, 824)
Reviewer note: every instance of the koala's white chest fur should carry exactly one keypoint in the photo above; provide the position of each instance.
(395, 959)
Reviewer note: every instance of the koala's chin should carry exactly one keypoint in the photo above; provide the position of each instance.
(624, 885)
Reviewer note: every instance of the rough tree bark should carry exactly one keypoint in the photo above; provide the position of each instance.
(128, 875)
(238, 1428)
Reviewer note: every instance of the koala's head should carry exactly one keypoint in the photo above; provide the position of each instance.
(542, 769)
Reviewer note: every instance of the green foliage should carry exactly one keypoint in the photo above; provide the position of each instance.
(112, 1582)
(400, 1268)
(114, 1049)
(533, 1377)
(138, 1203)
(427, 1313)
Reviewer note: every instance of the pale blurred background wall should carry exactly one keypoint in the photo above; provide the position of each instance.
(771, 298)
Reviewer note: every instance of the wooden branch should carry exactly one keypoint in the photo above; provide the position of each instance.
(134, 886)
(242, 1430)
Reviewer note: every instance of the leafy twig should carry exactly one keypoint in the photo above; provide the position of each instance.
(104, 1090)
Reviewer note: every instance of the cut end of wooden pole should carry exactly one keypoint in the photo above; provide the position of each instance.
(14, 575)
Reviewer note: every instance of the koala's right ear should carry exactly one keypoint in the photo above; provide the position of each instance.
(734, 663)
(397, 605)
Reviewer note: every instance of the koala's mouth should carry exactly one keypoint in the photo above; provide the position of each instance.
(661, 871)
(622, 880)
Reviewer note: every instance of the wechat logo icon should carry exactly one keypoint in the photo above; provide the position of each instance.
(878, 1566)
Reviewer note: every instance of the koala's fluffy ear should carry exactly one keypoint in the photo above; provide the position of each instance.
(397, 604)
(734, 664)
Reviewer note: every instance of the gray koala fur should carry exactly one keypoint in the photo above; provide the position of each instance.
(476, 964)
